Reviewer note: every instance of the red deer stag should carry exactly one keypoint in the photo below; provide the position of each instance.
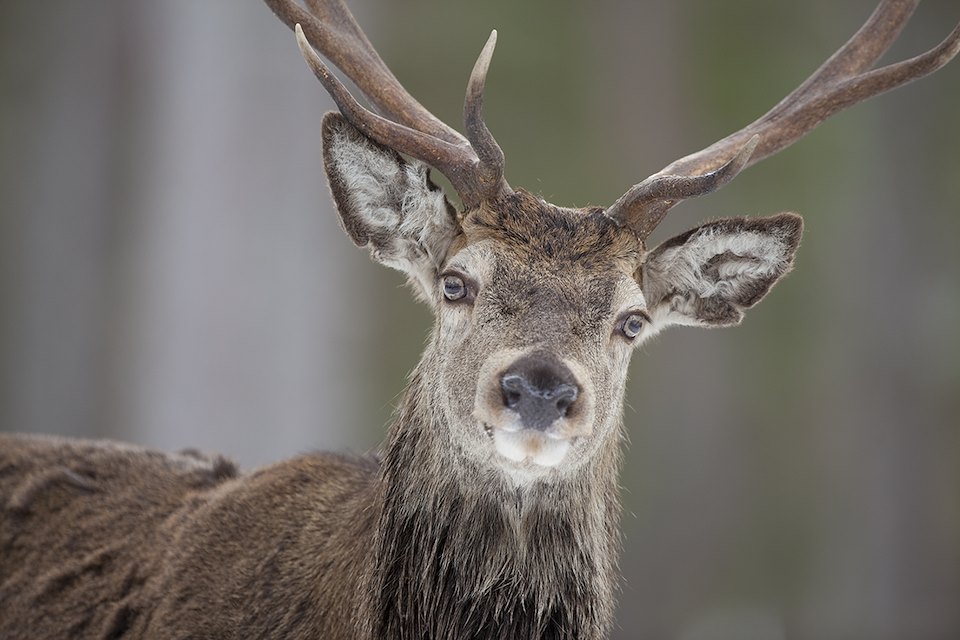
(492, 510)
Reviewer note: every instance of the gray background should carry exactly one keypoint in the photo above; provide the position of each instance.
(171, 273)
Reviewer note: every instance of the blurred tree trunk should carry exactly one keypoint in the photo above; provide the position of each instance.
(172, 271)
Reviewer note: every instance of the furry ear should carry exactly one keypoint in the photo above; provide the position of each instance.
(709, 275)
(388, 203)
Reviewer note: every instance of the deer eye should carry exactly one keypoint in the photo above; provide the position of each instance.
(632, 324)
(454, 288)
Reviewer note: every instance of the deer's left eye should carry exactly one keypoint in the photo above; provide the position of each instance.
(454, 288)
(632, 325)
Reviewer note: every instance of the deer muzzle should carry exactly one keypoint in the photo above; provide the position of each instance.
(540, 389)
(533, 405)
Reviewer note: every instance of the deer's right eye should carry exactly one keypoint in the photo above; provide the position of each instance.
(454, 288)
(631, 323)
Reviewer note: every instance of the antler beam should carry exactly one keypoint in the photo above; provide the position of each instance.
(473, 164)
(844, 80)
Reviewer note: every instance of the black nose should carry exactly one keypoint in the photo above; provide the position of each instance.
(540, 388)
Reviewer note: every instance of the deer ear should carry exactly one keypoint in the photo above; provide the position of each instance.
(709, 275)
(388, 203)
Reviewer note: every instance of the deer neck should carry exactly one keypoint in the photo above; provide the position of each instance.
(461, 552)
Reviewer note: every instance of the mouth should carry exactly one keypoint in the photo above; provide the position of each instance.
(528, 447)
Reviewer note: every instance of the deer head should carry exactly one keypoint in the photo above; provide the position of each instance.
(539, 307)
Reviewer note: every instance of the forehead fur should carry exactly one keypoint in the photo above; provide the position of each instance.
(537, 230)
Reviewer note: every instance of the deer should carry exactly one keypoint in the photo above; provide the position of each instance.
(492, 509)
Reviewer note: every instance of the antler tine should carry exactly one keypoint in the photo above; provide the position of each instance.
(842, 81)
(331, 27)
(490, 155)
(862, 50)
(474, 165)
(457, 162)
(656, 195)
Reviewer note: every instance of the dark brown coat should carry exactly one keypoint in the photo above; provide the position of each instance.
(104, 540)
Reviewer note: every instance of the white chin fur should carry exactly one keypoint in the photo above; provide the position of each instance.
(530, 446)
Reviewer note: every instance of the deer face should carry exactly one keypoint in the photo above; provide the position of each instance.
(545, 332)
(539, 307)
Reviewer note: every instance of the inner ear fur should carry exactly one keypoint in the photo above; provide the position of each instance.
(386, 202)
(710, 274)
(336, 131)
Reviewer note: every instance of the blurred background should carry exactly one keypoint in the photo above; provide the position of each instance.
(172, 274)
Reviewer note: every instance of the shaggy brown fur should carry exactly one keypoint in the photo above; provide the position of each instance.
(103, 540)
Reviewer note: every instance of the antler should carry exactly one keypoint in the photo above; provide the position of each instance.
(473, 164)
(842, 81)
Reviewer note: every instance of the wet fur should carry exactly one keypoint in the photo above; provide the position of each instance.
(463, 553)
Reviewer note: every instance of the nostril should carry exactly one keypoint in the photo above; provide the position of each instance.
(538, 399)
(512, 387)
(564, 397)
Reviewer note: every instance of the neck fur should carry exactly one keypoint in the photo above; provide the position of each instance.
(461, 553)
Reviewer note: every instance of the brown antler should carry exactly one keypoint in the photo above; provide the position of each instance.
(842, 81)
(474, 165)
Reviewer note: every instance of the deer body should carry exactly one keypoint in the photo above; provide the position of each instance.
(323, 546)
(492, 509)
